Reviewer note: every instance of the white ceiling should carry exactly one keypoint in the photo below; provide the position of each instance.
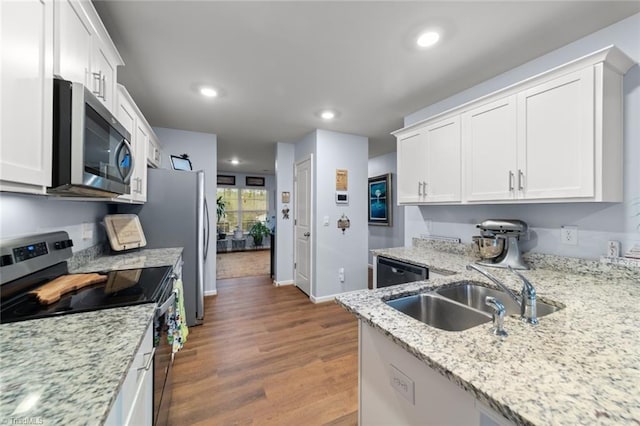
(277, 64)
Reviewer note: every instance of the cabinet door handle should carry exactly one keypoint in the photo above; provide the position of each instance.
(103, 86)
(97, 82)
(424, 188)
(419, 189)
(520, 180)
(511, 180)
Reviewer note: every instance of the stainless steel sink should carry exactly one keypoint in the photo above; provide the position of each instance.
(439, 312)
(474, 296)
(460, 306)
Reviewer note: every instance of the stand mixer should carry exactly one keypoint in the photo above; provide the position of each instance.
(498, 243)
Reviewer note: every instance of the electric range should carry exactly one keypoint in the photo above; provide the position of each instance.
(30, 262)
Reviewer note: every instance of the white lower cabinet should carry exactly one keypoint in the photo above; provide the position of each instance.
(134, 404)
(398, 389)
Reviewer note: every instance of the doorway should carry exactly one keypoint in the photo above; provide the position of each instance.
(303, 218)
(239, 264)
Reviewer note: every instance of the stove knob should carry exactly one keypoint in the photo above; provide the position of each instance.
(6, 260)
(59, 245)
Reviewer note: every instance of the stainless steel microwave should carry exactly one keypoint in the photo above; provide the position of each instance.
(92, 156)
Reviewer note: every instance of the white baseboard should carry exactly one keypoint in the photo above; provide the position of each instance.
(211, 292)
(370, 266)
(323, 299)
(281, 283)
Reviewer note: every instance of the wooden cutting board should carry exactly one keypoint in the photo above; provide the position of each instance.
(53, 290)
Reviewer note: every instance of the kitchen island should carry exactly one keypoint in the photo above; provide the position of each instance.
(70, 369)
(580, 365)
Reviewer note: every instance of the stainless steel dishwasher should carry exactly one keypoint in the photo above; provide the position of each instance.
(391, 272)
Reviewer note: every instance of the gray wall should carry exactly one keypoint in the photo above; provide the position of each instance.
(332, 249)
(284, 227)
(387, 236)
(597, 222)
(202, 150)
(22, 215)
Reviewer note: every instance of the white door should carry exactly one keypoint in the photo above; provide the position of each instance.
(302, 220)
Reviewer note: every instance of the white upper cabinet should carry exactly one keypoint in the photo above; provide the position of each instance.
(428, 163)
(489, 132)
(411, 167)
(154, 153)
(72, 42)
(442, 161)
(26, 95)
(556, 137)
(132, 119)
(84, 52)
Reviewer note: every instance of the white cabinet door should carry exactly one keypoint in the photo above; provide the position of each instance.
(126, 115)
(26, 95)
(443, 161)
(72, 42)
(556, 138)
(139, 183)
(130, 117)
(103, 75)
(490, 141)
(154, 154)
(411, 168)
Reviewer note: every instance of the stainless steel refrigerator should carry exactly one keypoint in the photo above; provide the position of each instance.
(176, 215)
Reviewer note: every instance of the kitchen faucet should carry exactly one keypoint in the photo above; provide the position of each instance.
(527, 299)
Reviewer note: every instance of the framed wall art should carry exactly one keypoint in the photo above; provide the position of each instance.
(380, 200)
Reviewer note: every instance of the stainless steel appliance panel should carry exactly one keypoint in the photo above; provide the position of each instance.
(91, 151)
(173, 216)
(391, 272)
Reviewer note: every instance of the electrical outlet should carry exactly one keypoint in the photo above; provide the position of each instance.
(341, 274)
(87, 231)
(613, 249)
(569, 235)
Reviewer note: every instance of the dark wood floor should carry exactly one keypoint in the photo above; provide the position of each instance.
(267, 356)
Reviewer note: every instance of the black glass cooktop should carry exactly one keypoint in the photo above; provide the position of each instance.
(122, 288)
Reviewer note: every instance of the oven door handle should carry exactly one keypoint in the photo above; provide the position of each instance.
(163, 308)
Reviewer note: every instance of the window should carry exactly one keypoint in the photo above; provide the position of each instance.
(244, 208)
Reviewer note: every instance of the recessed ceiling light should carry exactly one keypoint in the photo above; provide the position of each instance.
(208, 91)
(235, 161)
(428, 39)
(327, 115)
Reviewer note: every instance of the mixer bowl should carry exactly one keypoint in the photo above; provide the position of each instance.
(488, 248)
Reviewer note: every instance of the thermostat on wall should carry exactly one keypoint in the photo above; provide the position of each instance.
(342, 197)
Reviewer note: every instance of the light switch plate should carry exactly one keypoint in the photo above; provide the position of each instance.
(402, 383)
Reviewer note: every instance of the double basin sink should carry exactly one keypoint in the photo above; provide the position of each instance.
(459, 306)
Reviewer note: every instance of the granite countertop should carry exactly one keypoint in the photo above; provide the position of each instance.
(144, 258)
(580, 365)
(73, 366)
(68, 369)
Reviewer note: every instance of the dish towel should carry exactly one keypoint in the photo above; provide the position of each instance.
(178, 330)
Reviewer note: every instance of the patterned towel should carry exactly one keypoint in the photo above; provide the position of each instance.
(176, 319)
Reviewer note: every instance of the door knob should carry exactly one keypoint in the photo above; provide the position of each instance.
(307, 234)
